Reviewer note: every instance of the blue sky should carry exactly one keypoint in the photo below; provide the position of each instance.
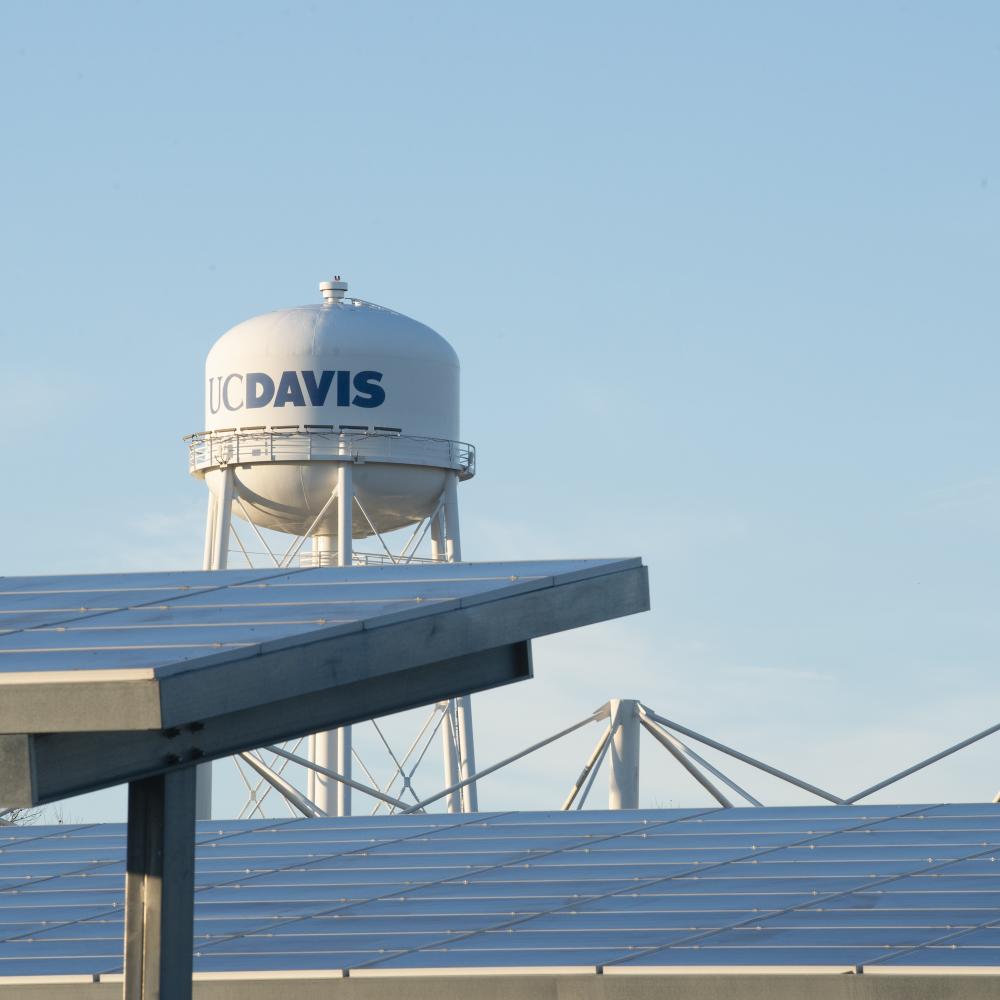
(722, 277)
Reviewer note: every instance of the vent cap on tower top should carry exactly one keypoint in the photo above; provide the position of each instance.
(333, 291)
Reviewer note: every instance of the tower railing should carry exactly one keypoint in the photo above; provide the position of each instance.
(216, 449)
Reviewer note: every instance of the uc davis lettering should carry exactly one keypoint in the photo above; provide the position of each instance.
(254, 390)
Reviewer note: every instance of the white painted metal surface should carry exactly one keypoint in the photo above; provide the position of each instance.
(288, 393)
(623, 775)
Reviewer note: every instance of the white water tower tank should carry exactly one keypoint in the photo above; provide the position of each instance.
(290, 394)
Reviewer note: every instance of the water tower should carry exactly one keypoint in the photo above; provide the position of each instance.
(334, 422)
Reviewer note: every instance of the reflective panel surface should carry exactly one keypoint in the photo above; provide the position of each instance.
(828, 886)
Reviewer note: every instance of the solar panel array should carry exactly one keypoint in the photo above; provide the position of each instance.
(161, 621)
(823, 886)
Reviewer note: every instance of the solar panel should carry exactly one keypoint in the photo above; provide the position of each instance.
(442, 892)
(161, 621)
(219, 662)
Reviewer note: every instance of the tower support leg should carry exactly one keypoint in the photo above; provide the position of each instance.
(462, 705)
(437, 535)
(213, 513)
(332, 749)
(343, 767)
(453, 534)
(466, 752)
(453, 800)
(623, 775)
(223, 516)
(159, 887)
(220, 511)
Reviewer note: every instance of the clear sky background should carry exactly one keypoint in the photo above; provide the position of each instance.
(723, 278)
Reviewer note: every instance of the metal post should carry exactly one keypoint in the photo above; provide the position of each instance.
(203, 807)
(210, 531)
(466, 752)
(623, 777)
(437, 534)
(463, 705)
(345, 506)
(332, 749)
(453, 534)
(159, 887)
(220, 510)
(324, 754)
(310, 773)
(344, 768)
(453, 800)
(224, 510)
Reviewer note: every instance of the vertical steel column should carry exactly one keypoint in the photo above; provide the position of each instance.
(345, 540)
(322, 553)
(623, 775)
(437, 535)
(224, 511)
(206, 562)
(345, 505)
(453, 534)
(463, 705)
(449, 749)
(466, 752)
(453, 800)
(310, 773)
(203, 808)
(159, 887)
(344, 768)
(332, 749)
(324, 754)
(220, 511)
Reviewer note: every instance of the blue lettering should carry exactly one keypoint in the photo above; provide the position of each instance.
(343, 388)
(225, 393)
(260, 389)
(317, 391)
(214, 397)
(289, 390)
(366, 383)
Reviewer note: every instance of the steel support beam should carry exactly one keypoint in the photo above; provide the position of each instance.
(343, 767)
(210, 531)
(669, 744)
(623, 777)
(462, 706)
(453, 801)
(753, 762)
(452, 531)
(220, 513)
(466, 752)
(332, 749)
(587, 768)
(423, 803)
(159, 887)
(437, 532)
(278, 783)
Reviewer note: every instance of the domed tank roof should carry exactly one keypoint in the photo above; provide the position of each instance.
(343, 362)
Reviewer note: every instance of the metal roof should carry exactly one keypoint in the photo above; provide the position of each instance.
(824, 888)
